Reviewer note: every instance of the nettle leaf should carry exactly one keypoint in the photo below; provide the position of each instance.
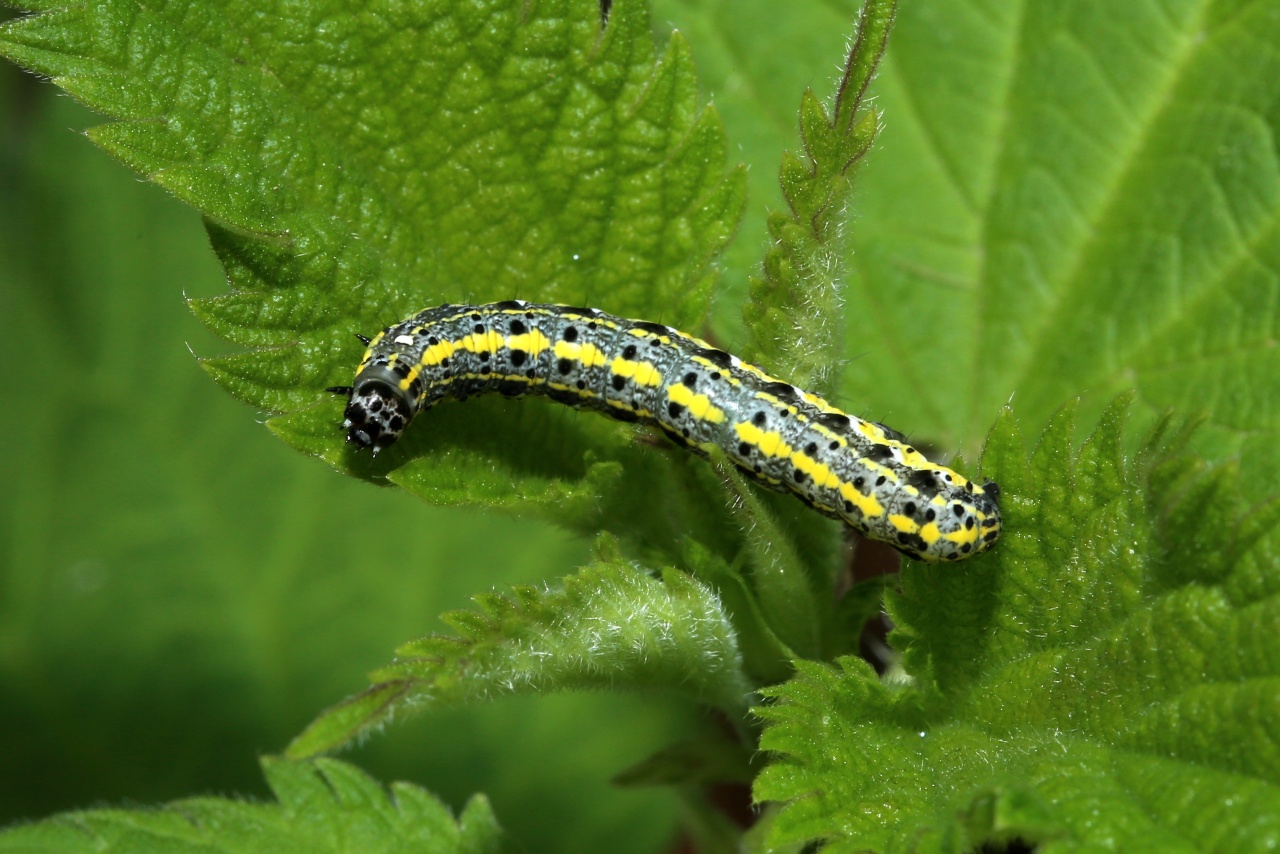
(790, 603)
(1072, 197)
(320, 806)
(1108, 676)
(611, 625)
(358, 163)
(794, 311)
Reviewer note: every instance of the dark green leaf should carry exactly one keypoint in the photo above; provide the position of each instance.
(611, 625)
(1096, 680)
(321, 807)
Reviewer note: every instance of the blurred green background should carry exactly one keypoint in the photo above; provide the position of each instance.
(180, 593)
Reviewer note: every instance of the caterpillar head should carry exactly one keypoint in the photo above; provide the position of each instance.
(377, 413)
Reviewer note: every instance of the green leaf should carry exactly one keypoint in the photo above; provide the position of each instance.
(794, 310)
(790, 601)
(1107, 676)
(360, 164)
(321, 806)
(611, 625)
(1074, 198)
(764, 656)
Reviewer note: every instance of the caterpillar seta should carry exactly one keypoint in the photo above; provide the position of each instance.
(860, 472)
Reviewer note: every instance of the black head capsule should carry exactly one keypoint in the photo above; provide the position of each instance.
(377, 413)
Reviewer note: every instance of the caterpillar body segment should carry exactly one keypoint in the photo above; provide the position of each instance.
(860, 472)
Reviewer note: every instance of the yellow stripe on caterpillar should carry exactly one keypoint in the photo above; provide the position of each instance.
(860, 472)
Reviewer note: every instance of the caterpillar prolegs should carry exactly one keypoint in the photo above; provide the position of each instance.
(857, 471)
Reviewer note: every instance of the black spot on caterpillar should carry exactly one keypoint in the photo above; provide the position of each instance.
(788, 439)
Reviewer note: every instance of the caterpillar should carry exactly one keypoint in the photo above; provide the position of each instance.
(857, 471)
